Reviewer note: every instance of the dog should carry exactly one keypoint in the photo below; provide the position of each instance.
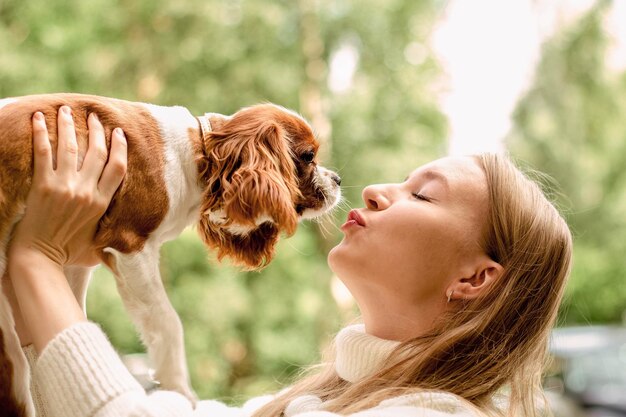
(244, 179)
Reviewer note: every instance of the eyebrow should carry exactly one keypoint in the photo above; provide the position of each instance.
(433, 175)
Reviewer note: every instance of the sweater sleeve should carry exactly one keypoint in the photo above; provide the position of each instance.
(79, 374)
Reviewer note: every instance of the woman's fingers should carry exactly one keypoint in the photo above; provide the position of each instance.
(97, 154)
(67, 149)
(42, 151)
(115, 169)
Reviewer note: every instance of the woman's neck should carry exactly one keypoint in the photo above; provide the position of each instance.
(392, 318)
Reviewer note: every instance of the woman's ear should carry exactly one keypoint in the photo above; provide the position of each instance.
(476, 281)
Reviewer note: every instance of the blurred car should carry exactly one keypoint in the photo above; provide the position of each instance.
(588, 370)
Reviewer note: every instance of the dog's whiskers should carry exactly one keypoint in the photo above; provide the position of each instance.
(353, 186)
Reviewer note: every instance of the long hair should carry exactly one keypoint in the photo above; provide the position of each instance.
(486, 346)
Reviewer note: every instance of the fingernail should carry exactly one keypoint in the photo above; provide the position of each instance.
(39, 116)
(66, 110)
(95, 116)
(120, 132)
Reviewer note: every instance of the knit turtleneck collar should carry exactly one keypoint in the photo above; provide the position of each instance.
(360, 354)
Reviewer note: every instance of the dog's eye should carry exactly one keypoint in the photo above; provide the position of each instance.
(308, 156)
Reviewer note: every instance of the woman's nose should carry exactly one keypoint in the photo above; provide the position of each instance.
(375, 198)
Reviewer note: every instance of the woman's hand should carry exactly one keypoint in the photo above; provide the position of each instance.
(64, 204)
(63, 208)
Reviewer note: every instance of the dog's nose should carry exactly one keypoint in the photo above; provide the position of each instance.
(336, 178)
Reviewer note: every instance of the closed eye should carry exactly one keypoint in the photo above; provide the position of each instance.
(421, 197)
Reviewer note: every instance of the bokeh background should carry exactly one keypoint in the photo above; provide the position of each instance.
(387, 85)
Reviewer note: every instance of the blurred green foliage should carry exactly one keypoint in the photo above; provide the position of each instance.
(572, 125)
(247, 333)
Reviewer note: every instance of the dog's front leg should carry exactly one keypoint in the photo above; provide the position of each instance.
(140, 286)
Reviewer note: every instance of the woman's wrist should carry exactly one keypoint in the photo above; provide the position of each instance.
(27, 255)
(44, 296)
(23, 253)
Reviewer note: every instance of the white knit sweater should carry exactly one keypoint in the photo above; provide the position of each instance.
(79, 374)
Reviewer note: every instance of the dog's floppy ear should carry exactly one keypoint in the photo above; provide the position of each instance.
(252, 180)
(263, 186)
(253, 250)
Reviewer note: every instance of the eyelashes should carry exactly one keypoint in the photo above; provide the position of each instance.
(421, 196)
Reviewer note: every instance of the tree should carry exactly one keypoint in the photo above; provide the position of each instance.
(571, 125)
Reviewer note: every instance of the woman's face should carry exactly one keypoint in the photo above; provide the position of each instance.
(413, 238)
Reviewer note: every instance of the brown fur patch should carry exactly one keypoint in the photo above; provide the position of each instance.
(140, 203)
(9, 406)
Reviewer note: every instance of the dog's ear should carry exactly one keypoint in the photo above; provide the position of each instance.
(254, 250)
(252, 180)
(264, 186)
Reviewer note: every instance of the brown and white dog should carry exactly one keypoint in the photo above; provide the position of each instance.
(244, 179)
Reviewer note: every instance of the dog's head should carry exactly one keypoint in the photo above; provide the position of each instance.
(261, 176)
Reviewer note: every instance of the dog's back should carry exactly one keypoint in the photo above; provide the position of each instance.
(143, 187)
(139, 206)
(247, 178)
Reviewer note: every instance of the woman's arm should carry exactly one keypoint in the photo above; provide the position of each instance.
(45, 299)
(63, 208)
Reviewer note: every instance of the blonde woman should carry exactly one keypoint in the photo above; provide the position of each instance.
(458, 272)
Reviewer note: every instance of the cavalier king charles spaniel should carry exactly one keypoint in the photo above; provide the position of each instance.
(244, 179)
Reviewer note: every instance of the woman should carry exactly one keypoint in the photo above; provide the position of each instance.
(458, 272)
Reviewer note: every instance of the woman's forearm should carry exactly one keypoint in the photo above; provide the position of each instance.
(44, 296)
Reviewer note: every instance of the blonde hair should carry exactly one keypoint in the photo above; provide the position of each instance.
(497, 341)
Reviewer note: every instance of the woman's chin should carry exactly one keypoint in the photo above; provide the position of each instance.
(334, 255)
(341, 260)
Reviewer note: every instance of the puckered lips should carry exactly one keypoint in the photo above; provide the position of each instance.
(354, 219)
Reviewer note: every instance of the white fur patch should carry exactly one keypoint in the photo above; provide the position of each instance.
(181, 172)
(219, 217)
(6, 101)
(263, 218)
(332, 192)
